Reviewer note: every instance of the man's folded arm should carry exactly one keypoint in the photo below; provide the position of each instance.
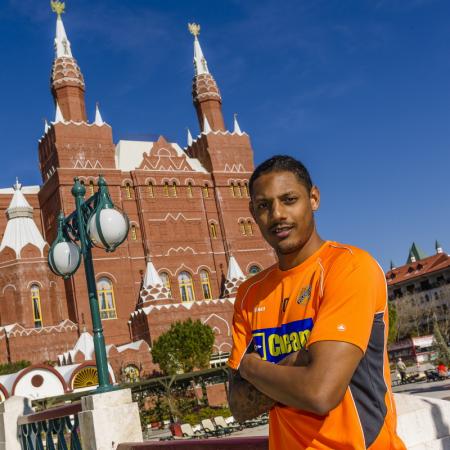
(245, 401)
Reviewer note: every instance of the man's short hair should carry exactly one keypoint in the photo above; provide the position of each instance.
(282, 163)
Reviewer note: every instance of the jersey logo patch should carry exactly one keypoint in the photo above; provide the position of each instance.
(304, 295)
(274, 344)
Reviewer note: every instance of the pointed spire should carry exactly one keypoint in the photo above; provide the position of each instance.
(58, 115)
(189, 137)
(438, 247)
(392, 265)
(153, 287)
(200, 63)
(46, 126)
(235, 277)
(415, 254)
(62, 43)
(237, 128)
(21, 229)
(151, 277)
(98, 117)
(206, 126)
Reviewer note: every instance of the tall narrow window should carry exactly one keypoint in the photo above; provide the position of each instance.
(206, 191)
(128, 191)
(151, 192)
(213, 230)
(189, 190)
(91, 188)
(166, 282)
(206, 285)
(249, 228)
(36, 305)
(186, 287)
(236, 190)
(232, 189)
(106, 300)
(239, 190)
(133, 233)
(166, 189)
(242, 227)
(246, 192)
(174, 189)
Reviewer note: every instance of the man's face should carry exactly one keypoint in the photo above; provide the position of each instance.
(283, 209)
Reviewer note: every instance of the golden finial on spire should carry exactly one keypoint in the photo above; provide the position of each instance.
(58, 7)
(194, 28)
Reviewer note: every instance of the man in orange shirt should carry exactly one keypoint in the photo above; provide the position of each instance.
(309, 334)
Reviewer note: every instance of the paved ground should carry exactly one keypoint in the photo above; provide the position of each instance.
(435, 389)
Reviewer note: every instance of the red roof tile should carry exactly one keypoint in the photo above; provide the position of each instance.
(419, 268)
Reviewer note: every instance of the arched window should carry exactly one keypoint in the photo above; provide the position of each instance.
(249, 228)
(189, 190)
(254, 270)
(213, 230)
(106, 300)
(206, 191)
(186, 287)
(166, 189)
(128, 191)
(237, 190)
(133, 233)
(36, 305)
(242, 227)
(246, 191)
(151, 192)
(232, 189)
(166, 282)
(174, 189)
(91, 188)
(206, 285)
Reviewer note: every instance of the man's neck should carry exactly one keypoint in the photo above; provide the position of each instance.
(286, 262)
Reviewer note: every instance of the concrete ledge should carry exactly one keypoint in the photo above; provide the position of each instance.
(247, 443)
(423, 422)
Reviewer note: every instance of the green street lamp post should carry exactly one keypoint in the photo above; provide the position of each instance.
(95, 221)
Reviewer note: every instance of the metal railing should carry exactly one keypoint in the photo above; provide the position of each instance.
(53, 429)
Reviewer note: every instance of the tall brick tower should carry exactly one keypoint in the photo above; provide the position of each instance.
(228, 157)
(72, 146)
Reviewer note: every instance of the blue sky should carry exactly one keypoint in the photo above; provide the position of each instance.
(358, 90)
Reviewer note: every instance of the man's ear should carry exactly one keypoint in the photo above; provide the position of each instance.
(314, 198)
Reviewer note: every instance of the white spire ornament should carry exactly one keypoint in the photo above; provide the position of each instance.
(200, 63)
(153, 287)
(189, 138)
(58, 114)
(46, 126)
(235, 277)
(237, 128)
(206, 126)
(62, 43)
(98, 117)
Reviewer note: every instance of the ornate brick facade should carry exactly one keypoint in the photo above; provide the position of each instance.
(188, 210)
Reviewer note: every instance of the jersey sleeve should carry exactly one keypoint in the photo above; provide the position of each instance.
(241, 334)
(352, 291)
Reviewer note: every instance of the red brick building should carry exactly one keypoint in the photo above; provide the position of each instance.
(188, 209)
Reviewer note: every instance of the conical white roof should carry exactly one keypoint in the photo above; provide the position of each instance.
(98, 117)
(21, 229)
(234, 270)
(62, 43)
(58, 114)
(151, 277)
(85, 345)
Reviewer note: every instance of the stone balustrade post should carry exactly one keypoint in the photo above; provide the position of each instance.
(108, 419)
(10, 410)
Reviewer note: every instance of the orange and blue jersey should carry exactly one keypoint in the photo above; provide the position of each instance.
(338, 294)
